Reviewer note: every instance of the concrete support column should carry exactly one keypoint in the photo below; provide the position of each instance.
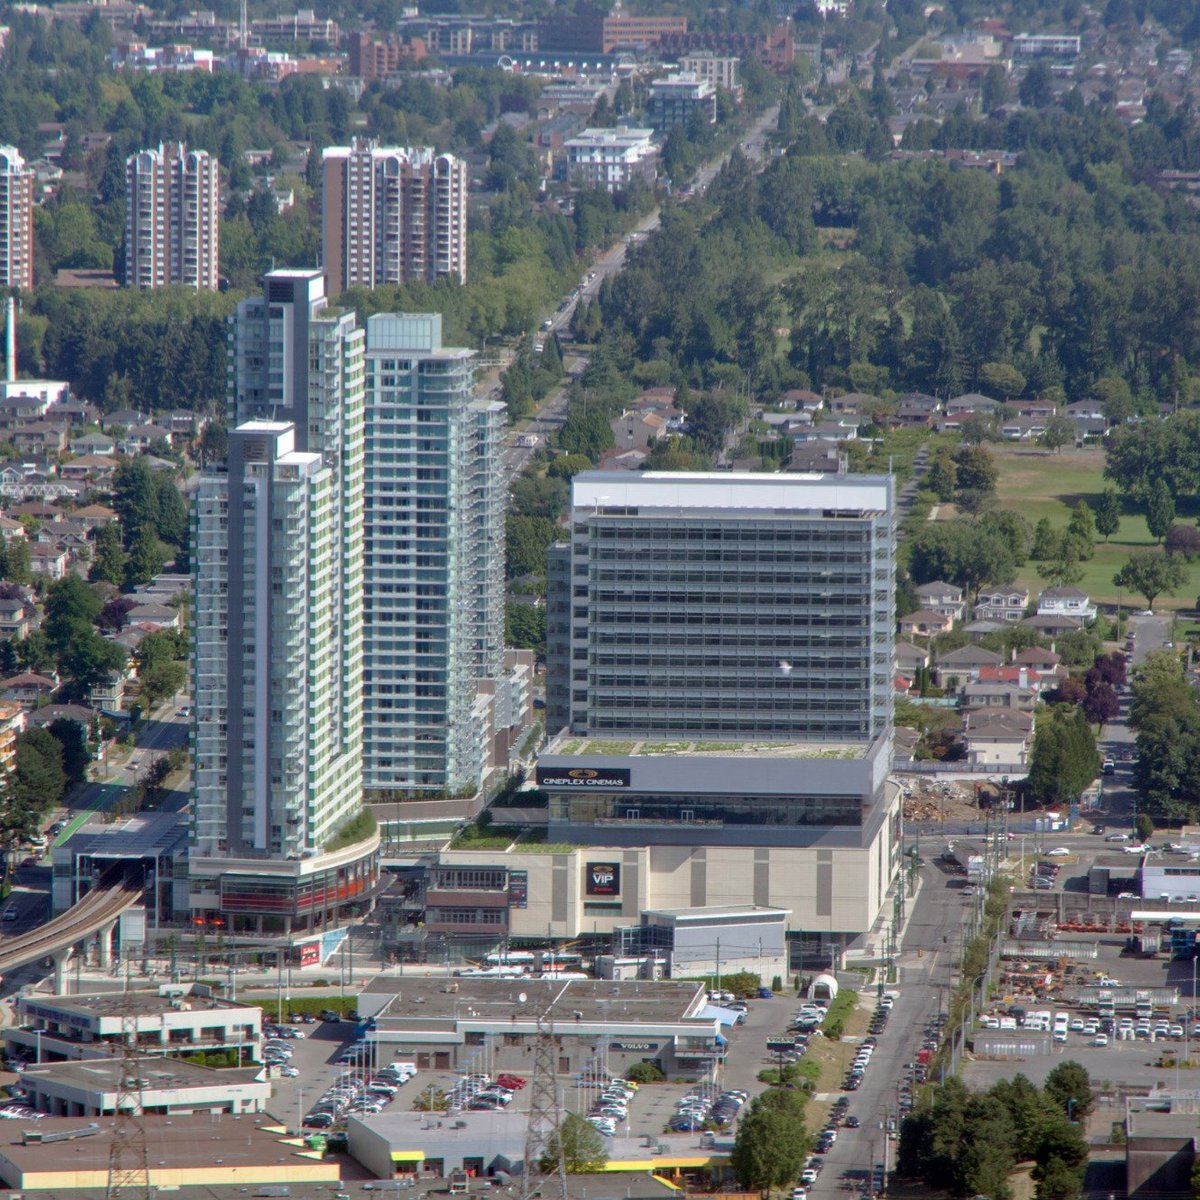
(60, 970)
(105, 937)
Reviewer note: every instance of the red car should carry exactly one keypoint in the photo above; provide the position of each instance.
(513, 1082)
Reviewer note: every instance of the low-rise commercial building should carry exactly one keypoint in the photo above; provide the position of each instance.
(182, 1151)
(442, 1024)
(169, 1086)
(174, 1019)
(719, 69)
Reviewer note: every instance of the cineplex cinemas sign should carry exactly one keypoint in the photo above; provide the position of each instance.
(583, 777)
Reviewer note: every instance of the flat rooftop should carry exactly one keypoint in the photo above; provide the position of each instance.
(173, 1143)
(147, 835)
(729, 911)
(833, 496)
(138, 1003)
(569, 744)
(157, 1074)
(622, 1001)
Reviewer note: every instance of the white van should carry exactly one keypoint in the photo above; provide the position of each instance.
(1061, 1021)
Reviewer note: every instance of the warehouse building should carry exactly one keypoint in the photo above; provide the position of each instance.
(168, 1086)
(198, 1151)
(447, 1024)
(173, 1019)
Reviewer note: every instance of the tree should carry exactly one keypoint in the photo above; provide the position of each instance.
(976, 469)
(772, 1143)
(582, 1147)
(1160, 508)
(525, 626)
(1102, 704)
(1045, 540)
(1059, 432)
(977, 428)
(1108, 513)
(1183, 540)
(995, 91)
(108, 558)
(71, 607)
(91, 659)
(1081, 529)
(1151, 573)
(1070, 1082)
(1064, 568)
(1037, 88)
(161, 680)
(38, 779)
(1064, 759)
(941, 478)
(565, 466)
(70, 734)
(147, 556)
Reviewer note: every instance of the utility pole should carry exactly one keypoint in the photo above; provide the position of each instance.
(544, 1135)
(128, 1160)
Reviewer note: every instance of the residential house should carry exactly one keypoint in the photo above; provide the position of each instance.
(1066, 602)
(1022, 429)
(843, 430)
(1001, 603)
(944, 598)
(925, 623)
(49, 560)
(622, 460)
(999, 737)
(126, 418)
(40, 437)
(972, 402)
(75, 414)
(12, 725)
(79, 713)
(15, 621)
(1012, 674)
(37, 510)
(1085, 410)
(97, 468)
(909, 658)
(1089, 429)
(93, 443)
(965, 663)
(978, 630)
(184, 426)
(109, 695)
(1036, 658)
(95, 515)
(1052, 624)
(10, 529)
(18, 410)
(821, 457)
(801, 400)
(1042, 409)
(634, 430)
(158, 616)
(140, 438)
(29, 688)
(998, 695)
(911, 416)
(851, 404)
(926, 403)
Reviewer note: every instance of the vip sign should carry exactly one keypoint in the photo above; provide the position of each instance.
(603, 879)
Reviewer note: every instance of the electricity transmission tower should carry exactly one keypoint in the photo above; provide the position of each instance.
(128, 1161)
(544, 1137)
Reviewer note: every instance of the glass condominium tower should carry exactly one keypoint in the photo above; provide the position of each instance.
(278, 591)
(434, 529)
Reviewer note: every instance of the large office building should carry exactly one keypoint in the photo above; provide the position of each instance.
(719, 650)
(434, 529)
(278, 595)
(172, 218)
(612, 159)
(677, 99)
(391, 214)
(16, 220)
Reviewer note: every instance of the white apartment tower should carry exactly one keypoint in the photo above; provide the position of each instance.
(173, 216)
(278, 594)
(434, 529)
(16, 221)
(392, 214)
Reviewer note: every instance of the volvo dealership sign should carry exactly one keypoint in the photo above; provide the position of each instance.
(583, 777)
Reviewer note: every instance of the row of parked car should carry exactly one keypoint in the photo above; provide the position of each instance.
(705, 1104)
(480, 1093)
(352, 1095)
(611, 1106)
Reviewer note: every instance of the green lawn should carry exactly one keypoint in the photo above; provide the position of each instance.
(1037, 484)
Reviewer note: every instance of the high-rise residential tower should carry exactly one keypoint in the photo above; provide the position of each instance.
(434, 521)
(172, 219)
(278, 593)
(16, 220)
(391, 214)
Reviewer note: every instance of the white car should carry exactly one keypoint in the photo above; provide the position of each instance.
(1058, 852)
(1141, 848)
(1101, 1039)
